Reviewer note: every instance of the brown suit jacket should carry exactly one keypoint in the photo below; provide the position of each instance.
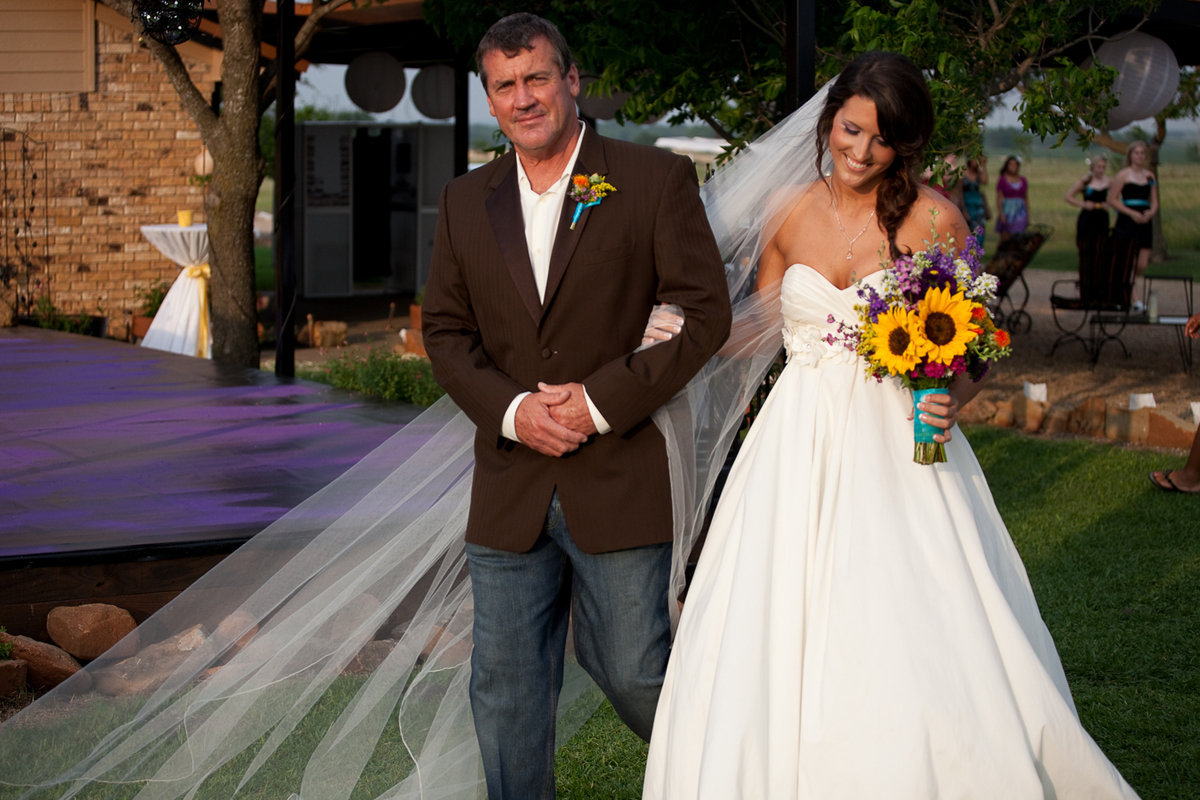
(490, 338)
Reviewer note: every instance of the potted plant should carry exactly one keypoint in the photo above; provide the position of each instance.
(149, 300)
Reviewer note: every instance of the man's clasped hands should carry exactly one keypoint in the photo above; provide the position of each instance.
(555, 420)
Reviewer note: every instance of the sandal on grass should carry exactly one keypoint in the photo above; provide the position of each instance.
(1169, 486)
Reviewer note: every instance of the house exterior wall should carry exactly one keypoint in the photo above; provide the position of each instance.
(47, 46)
(116, 158)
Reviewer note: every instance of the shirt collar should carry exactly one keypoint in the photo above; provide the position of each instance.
(523, 179)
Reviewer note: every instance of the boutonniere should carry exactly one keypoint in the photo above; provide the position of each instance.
(588, 191)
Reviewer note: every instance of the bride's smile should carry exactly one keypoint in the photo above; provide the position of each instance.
(861, 154)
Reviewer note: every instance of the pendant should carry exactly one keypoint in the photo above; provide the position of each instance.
(848, 255)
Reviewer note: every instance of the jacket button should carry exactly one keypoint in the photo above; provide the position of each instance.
(547, 352)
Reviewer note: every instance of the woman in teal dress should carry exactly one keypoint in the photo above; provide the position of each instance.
(1134, 194)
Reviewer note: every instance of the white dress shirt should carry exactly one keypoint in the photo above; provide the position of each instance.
(541, 213)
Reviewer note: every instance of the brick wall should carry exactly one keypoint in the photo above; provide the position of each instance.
(116, 159)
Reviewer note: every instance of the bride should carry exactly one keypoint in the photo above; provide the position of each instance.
(329, 655)
(860, 625)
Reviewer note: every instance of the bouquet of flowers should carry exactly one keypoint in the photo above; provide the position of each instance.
(928, 325)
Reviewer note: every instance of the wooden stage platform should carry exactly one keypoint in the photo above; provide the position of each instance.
(125, 473)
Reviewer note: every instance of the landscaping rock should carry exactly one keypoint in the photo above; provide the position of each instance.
(12, 676)
(978, 412)
(88, 630)
(1004, 416)
(1028, 414)
(47, 666)
(1088, 418)
(1167, 430)
(151, 666)
(369, 657)
(1126, 425)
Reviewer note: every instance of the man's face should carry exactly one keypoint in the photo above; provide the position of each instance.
(533, 103)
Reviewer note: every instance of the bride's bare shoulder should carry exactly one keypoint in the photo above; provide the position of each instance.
(786, 201)
(933, 214)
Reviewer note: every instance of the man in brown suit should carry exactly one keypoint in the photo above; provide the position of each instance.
(531, 318)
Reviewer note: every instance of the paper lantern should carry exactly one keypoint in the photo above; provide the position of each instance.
(601, 106)
(1147, 76)
(433, 91)
(375, 82)
(203, 165)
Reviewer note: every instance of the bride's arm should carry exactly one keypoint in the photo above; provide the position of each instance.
(936, 411)
(666, 321)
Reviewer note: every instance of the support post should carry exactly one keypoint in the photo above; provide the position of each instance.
(285, 190)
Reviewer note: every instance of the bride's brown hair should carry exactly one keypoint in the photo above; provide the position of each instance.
(904, 112)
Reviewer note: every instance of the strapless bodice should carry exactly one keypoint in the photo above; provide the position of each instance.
(812, 308)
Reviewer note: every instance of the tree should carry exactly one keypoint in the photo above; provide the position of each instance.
(230, 133)
(711, 61)
(722, 63)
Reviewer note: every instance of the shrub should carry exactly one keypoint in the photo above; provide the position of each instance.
(379, 373)
(150, 298)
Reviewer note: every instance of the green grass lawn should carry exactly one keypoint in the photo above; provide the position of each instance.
(1050, 178)
(1115, 565)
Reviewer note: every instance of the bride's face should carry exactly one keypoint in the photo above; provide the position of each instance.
(860, 156)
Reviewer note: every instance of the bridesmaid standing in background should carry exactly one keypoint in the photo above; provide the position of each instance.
(975, 202)
(1090, 195)
(1012, 199)
(1134, 194)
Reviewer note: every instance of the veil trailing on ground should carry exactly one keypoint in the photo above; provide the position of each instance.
(329, 655)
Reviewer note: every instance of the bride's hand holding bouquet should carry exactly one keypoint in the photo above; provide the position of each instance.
(928, 325)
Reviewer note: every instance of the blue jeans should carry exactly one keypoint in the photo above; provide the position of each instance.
(523, 602)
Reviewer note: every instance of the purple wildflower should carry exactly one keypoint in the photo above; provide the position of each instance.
(876, 305)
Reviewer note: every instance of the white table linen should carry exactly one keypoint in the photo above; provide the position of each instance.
(182, 322)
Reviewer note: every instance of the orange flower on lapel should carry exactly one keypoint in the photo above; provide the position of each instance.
(588, 191)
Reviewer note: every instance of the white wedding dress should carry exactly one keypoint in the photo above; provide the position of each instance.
(860, 626)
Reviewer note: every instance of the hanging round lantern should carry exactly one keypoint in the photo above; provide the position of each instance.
(1147, 76)
(375, 81)
(433, 91)
(203, 165)
(168, 21)
(600, 106)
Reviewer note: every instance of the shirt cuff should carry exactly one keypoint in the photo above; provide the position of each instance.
(598, 419)
(508, 426)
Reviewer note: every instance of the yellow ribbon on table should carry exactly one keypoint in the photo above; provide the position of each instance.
(202, 273)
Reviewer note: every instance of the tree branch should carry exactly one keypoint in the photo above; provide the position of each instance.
(194, 103)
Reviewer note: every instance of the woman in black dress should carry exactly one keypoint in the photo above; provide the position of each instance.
(1090, 195)
(1134, 194)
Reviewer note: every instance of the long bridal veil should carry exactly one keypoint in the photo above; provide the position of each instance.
(328, 657)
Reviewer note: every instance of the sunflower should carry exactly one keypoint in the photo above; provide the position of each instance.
(895, 347)
(944, 325)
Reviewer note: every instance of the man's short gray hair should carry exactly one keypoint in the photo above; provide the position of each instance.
(515, 33)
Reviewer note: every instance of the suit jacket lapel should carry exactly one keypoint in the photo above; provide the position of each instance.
(591, 159)
(504, 211)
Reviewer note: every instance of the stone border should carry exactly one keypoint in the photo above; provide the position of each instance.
(1093, 417)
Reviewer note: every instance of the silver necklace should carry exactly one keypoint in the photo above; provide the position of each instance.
(850, 242)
